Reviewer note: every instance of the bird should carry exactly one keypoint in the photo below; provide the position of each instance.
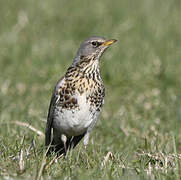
(77, 98)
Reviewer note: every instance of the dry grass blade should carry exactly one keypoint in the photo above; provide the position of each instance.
(41, 134)
(106, 158)
(41, 168)
(43, 164)
(53, 160)
(177, 164)
(21, 161)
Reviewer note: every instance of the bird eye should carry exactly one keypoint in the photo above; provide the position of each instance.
(95, 43)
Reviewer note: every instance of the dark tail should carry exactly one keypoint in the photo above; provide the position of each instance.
(70, 144)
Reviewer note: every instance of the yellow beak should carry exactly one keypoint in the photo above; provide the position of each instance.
(109, 42)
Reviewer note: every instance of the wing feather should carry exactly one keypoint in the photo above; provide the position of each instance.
(54, 99)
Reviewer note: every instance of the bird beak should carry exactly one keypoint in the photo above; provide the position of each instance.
(109, 42)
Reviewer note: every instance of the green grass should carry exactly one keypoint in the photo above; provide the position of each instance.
(141, 120)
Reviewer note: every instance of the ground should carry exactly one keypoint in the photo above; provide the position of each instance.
(138, 135)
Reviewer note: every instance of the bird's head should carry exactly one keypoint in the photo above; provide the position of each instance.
(92, 48)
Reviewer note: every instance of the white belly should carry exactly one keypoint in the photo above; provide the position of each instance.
(76, 121)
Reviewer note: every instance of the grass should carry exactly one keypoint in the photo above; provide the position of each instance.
(138, 134)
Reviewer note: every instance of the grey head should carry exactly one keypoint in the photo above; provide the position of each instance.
(93, 48)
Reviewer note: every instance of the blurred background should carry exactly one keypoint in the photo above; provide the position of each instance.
(141, 72)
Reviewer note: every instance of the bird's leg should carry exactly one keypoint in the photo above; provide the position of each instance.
(86, 139)
(64, 140)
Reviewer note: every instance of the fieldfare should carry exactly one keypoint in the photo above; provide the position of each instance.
(77, 99)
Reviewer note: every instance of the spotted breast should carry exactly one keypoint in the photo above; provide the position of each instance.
(79, 101)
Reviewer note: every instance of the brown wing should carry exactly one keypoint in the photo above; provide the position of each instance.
(53, 101)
